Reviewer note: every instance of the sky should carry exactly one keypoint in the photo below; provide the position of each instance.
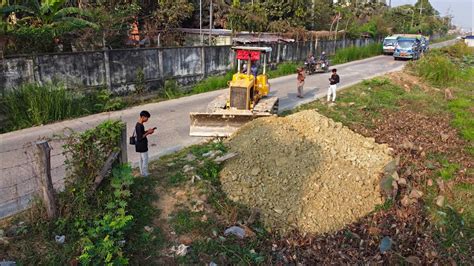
(462, 10)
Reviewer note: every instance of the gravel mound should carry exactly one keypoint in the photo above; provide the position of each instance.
(305, 172)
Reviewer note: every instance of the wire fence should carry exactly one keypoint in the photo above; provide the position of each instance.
(22, 172)
(19, 177)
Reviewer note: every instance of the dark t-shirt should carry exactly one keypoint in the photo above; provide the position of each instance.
(142, 142)
(334, 79)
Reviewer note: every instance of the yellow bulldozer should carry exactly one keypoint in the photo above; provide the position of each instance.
(247, 98)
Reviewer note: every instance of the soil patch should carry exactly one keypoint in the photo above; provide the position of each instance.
(407, 81)
(305, 172)
(417, 137)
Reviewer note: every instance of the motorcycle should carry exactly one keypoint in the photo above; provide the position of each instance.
(319, 66)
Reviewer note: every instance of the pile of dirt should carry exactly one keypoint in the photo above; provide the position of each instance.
(305, 172)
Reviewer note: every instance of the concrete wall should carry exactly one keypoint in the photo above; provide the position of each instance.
(118, 69)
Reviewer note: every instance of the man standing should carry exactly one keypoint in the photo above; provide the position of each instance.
(333, 81)
(141, 144)
(300, 81)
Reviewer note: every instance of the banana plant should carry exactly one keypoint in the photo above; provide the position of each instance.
(49, 13)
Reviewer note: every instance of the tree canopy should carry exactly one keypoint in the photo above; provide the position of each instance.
(97, 22)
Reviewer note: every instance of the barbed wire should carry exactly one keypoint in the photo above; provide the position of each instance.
(16, 149)
(58, 154)
(17, 165)
(21, 183)
(59, 166)
(9, 201)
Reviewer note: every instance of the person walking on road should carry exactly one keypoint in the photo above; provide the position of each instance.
(300, 81)
(141, 144)
(333, 81)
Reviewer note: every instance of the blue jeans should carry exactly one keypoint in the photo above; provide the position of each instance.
(143, 165)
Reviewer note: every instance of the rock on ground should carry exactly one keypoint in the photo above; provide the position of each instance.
(305, 171)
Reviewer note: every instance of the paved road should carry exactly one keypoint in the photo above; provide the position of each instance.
(172, 119)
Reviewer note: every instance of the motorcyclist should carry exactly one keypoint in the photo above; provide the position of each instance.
(309, 63)
(323, 57)
(310, 60)
(324, 61)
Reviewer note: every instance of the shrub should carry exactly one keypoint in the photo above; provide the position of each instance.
(458, 50)
(437, 69)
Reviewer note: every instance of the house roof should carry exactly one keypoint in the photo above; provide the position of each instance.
(244, 39)
(251, 48)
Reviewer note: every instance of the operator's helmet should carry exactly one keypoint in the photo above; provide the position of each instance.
(244, 66)
(323, 52)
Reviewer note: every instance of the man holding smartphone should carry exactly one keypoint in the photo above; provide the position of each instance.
(333, 81)
(141, 145)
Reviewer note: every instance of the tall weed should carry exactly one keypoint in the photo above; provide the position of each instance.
(171, 90)
(34, 104)
(355, 53)
(284, 69)
(213, 83)
(437, 69)
(458, 50)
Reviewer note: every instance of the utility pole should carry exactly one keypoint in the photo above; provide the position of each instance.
(210, 23)
(421, 6)
(200, 21)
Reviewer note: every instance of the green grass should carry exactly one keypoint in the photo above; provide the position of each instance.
(142, 244)
(463, 119)
(448, 170)
(283, 69)
(33, 104)
(177, 179)
(437, 70)
(361, 103)
(385, 206)
(356, 53)
(199, 150)
(444, 168)
(212, 83)
(184, 221)
(444, 38)
(230, 251)
(453, 229)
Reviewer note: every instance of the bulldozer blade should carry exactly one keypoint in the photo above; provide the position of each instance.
(218, 124)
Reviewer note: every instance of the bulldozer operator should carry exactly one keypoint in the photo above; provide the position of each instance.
(253, 68)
